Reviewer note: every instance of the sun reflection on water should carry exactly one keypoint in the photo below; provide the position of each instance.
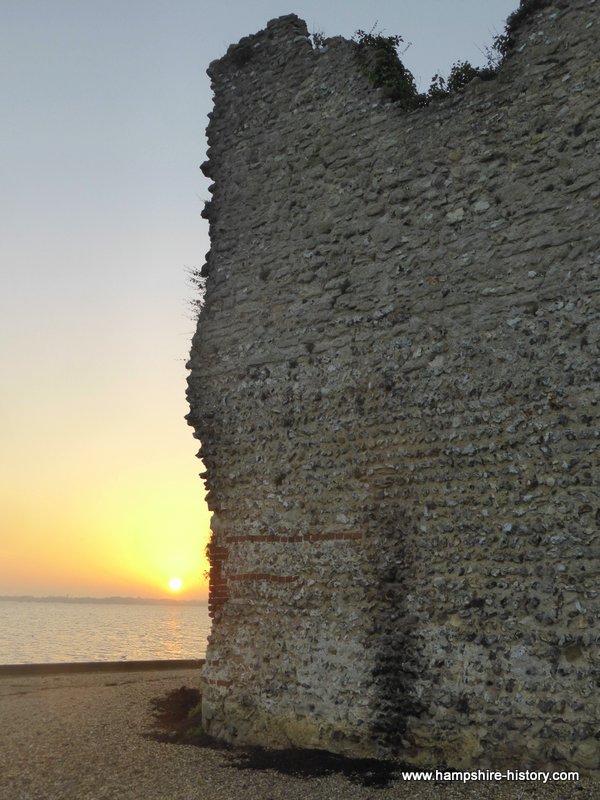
(53, 632)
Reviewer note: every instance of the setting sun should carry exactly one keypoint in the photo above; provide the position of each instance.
(175, 584)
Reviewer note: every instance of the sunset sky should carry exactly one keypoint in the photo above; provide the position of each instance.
(104, 109)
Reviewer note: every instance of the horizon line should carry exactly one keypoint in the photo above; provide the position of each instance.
(106, 599)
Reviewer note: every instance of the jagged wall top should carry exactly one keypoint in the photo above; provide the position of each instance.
(286, 32)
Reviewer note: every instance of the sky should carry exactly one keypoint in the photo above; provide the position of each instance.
(104, 110)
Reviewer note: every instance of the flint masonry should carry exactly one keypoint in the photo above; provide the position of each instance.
(395, 382)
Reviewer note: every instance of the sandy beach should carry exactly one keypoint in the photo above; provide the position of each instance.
(83, 736)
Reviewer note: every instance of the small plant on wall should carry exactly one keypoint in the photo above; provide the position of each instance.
(461, 74)
(197, 278)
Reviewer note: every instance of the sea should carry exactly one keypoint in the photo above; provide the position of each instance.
(58, 631)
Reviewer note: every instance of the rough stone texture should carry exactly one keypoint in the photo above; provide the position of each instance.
(395, 383)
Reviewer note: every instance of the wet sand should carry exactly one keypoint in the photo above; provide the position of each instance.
(84, 736)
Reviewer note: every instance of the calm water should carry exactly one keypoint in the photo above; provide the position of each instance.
(33, 633)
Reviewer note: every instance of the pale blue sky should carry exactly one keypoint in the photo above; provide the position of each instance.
(104, 106)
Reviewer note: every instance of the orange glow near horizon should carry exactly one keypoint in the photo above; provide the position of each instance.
(124, 523)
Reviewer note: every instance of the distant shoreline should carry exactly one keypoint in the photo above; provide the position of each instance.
(138, 601)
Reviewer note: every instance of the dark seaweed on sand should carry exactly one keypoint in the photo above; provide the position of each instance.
(178, 715)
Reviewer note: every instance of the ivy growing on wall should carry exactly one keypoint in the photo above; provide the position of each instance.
(378, 56)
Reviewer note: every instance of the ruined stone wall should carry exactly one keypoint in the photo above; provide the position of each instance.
(395, 384)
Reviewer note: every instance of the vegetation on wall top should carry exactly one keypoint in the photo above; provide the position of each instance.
(378, 56)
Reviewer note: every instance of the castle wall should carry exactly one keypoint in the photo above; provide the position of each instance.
(395, 384)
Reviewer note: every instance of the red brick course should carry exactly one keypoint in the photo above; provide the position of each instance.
(219, 592)
(262, 576)
(217, 682)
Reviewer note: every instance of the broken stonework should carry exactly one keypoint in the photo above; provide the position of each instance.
(395, 381)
